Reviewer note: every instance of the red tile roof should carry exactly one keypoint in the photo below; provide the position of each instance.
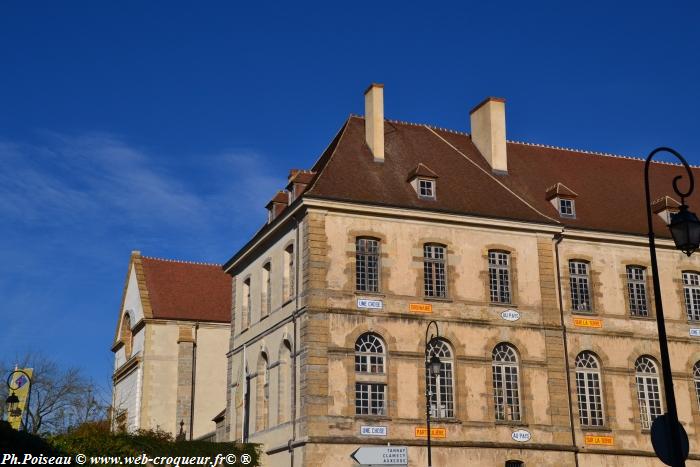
(610, 189)
(187, 291)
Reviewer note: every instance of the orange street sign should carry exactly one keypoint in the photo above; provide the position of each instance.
(600, 440)
(588, 323)
(420, 307)
(422, 432)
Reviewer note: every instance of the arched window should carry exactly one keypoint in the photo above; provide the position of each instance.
(370, 396)
(514, 463)
(506, 387)
(285, 396)
(367, 264)
(263, 393)
(696, 380)
(126, 335)
(440, 386)
(647, 378)
(588, 390)
(434, 272)
(369, 354)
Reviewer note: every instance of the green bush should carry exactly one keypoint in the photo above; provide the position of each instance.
(95, 439)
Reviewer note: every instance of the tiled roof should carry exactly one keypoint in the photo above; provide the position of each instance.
(187, 291)
(609, 189)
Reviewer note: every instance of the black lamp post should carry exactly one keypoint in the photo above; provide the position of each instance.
(432, 368)
(685, 230)
(12, 401)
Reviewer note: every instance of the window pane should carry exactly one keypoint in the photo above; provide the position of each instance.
(434, 275)
(578, 281)
(499, 276)
(367, 264)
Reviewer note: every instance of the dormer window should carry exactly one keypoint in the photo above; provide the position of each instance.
(426, 188)
(562, 198)
(566, 207)
(424, 181)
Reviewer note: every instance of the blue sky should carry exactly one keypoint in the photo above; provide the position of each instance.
(167, 126)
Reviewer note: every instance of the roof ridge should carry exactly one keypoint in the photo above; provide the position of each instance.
(539, 145)
(182, 261)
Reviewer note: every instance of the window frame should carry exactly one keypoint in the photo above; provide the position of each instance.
(365, 261)
(434, 270)
(648, 401)
(431, 185)
(691, 295)
(246, 305)
(497, 272)
(505, 369)
(266, 290)
(589, 379)
(364, 363)
(696, 381)
(441, 388)
(290, 272)
(575, 281)
(572, 207)
(637, 287)
(372, 397)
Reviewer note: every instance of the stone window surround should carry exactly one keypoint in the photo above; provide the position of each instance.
(595, 285)
(384, 262)
(513, 268)
(649, 289)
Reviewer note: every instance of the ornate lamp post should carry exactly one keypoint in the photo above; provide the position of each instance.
(12, 401)
(432, 368)
(685, 230)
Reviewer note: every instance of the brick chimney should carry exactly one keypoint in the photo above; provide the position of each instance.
(488, 122)
(374, 120)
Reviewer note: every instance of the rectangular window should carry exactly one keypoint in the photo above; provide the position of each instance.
(426, 188)
(637, 290)
(691, 290)
(580, 289)
(435, 277)
(267, 294)
(369, 399)
(247, 315)
(649, 399)
(566, 207)
(590, 403)
(289, 273)
(499, 276)
(367, 264)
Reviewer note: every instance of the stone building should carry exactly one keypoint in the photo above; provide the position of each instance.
(533, 261)
(170, 347)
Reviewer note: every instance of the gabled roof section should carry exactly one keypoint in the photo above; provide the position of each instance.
(187, 291)
(136, 264)
(280, 197)
(421, 170)
(560, 190)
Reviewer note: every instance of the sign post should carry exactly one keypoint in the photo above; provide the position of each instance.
(381, 455)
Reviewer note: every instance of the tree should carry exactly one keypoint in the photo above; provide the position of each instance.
(60, 398)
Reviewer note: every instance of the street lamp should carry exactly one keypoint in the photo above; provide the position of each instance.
(12, 401)
(432, 368)
(685, 230)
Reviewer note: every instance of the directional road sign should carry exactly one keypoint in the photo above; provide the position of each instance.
(381, 455)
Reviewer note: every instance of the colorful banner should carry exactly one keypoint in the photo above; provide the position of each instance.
(19, 384)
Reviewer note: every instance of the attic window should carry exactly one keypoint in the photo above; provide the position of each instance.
(566, 207)
(426, 188)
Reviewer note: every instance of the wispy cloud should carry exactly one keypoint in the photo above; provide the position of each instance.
(72, 207)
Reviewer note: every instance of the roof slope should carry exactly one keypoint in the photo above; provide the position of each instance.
(187, 291)
(610, 189)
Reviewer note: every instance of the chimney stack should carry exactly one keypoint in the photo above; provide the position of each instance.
(374, 120)
(488, 122)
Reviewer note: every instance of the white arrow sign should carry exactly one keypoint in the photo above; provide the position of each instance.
(381, 455)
